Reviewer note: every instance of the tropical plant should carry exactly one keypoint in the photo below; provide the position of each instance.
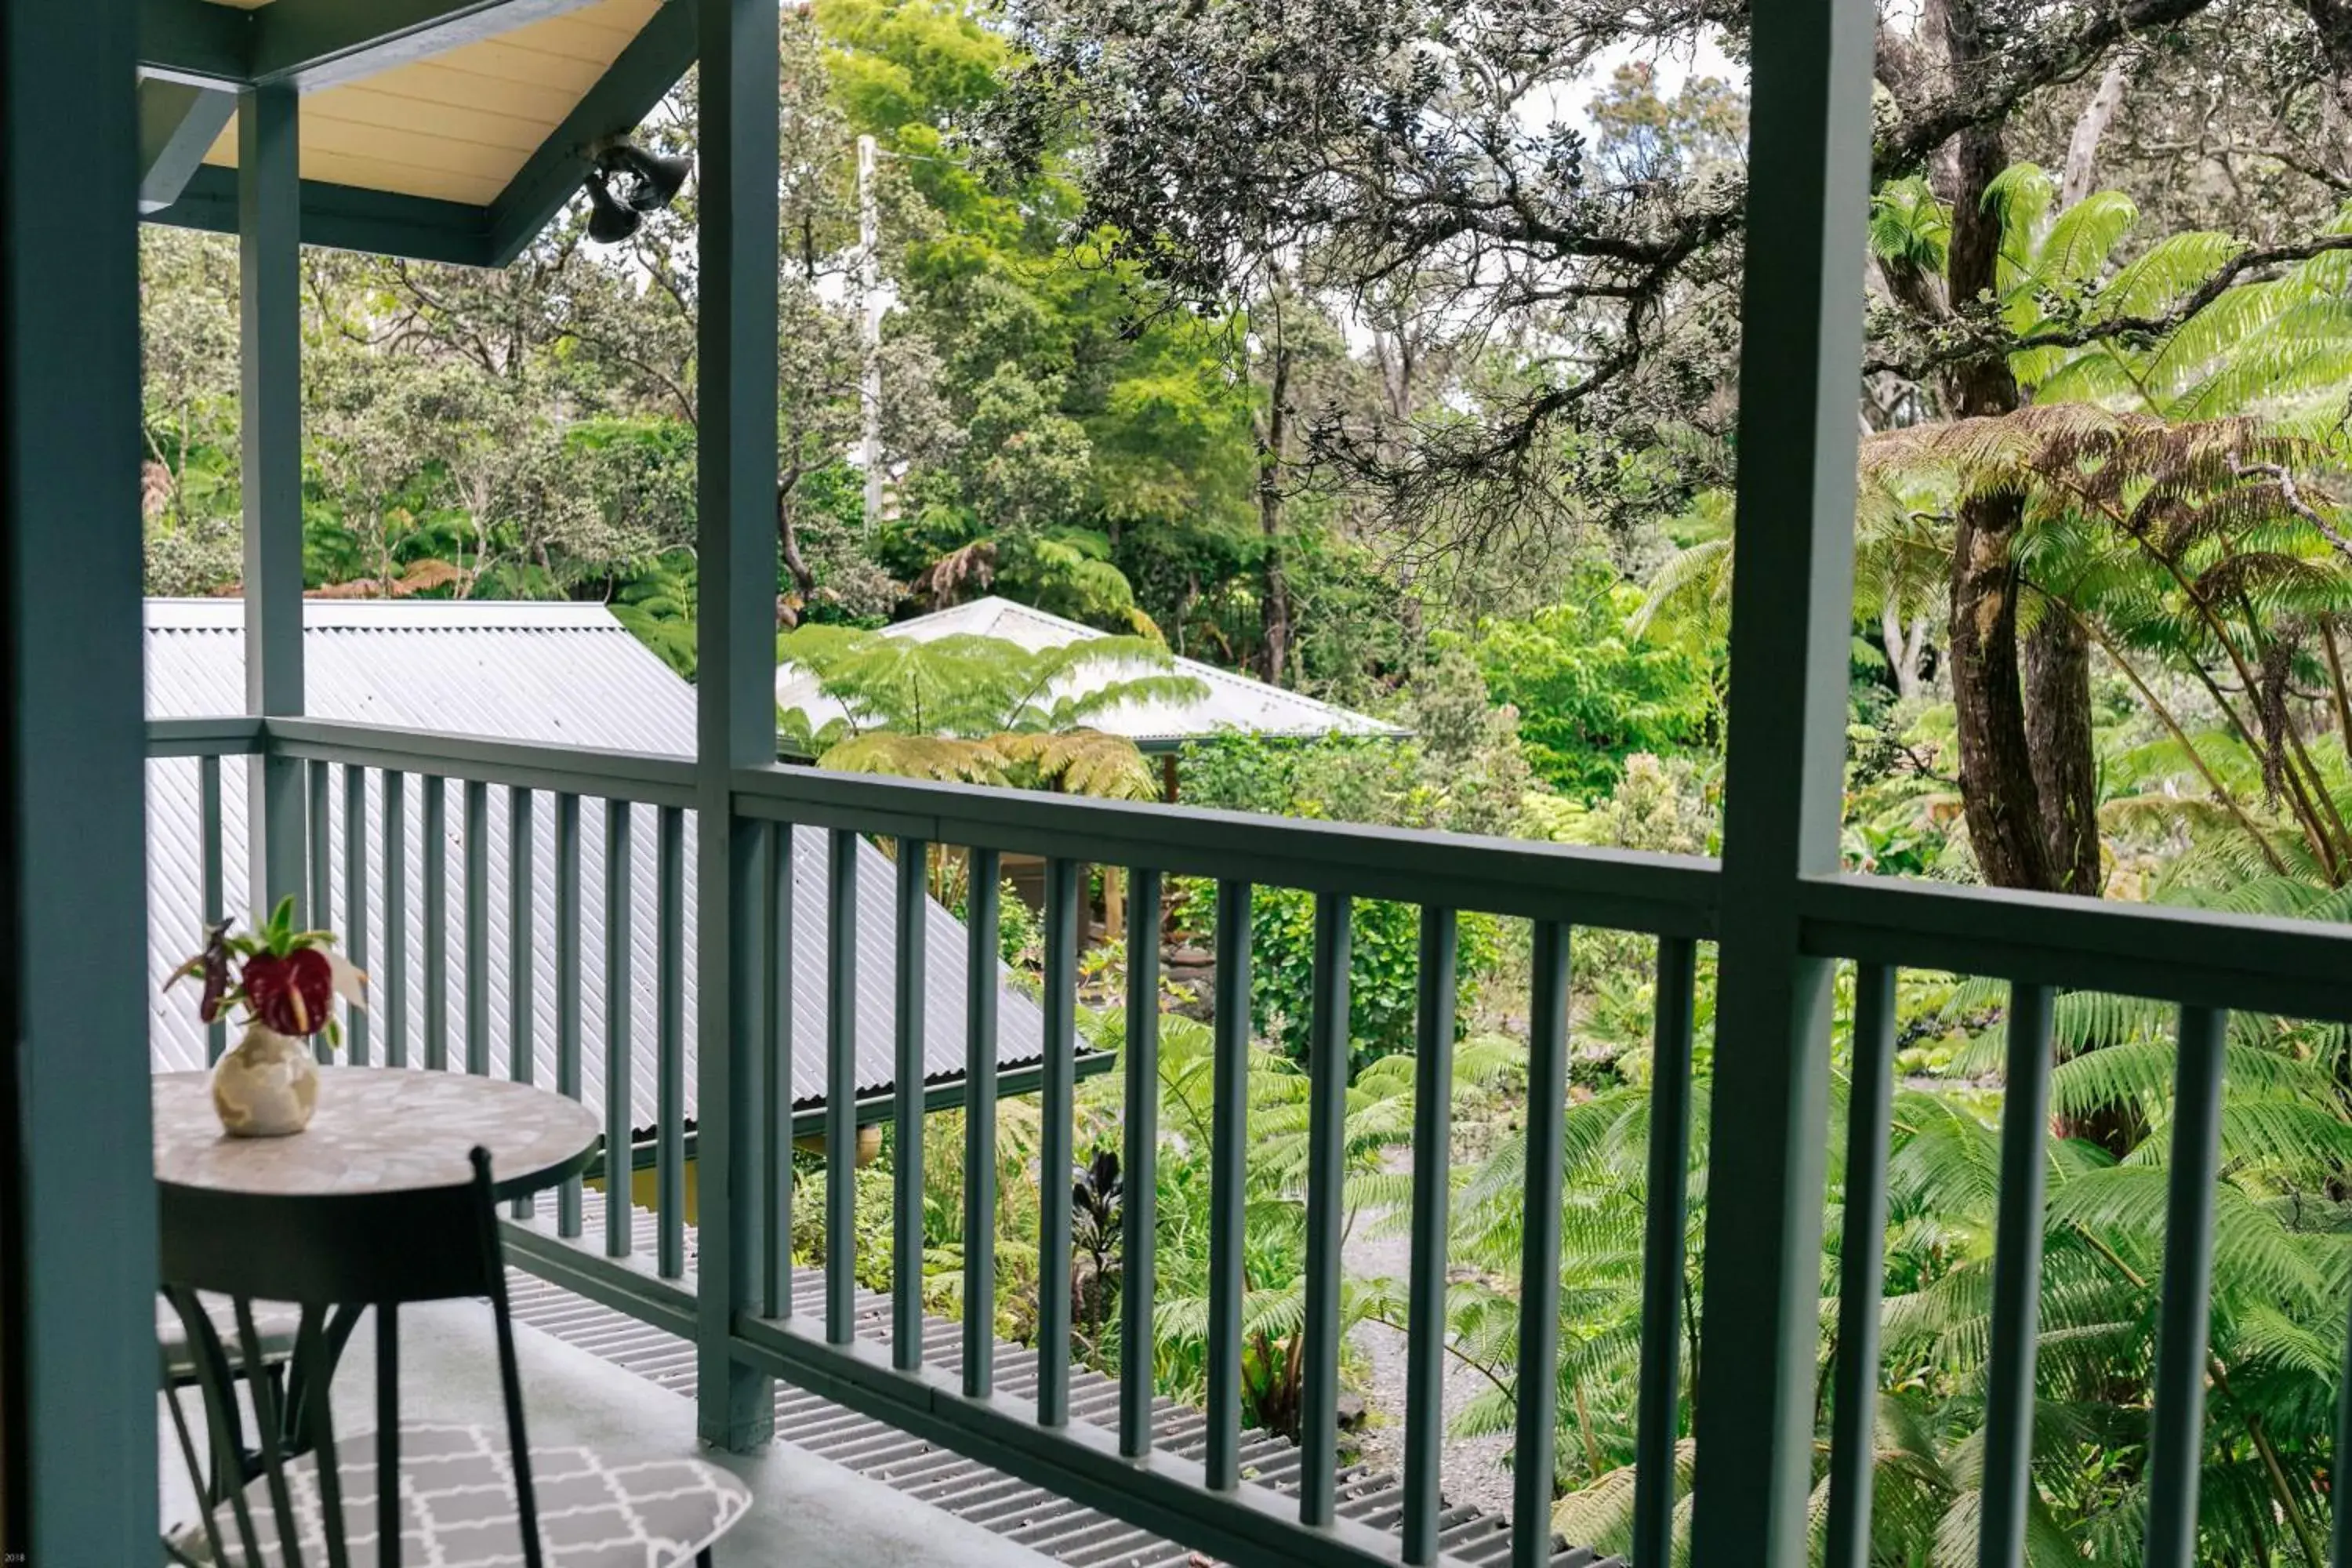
(981, 710)
(1379, 1119)
(1592, 687)
(2203, 554)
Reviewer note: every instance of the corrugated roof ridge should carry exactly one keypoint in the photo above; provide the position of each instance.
(186, 615)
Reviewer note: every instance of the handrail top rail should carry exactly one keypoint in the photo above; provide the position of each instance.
(2216, 958)
(2205, 957)
(1630, 889)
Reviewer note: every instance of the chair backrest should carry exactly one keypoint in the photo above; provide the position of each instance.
(334, 1257)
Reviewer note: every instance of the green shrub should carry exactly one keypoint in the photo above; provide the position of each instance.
(1383, 970)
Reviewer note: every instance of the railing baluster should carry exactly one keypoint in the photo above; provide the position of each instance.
(841, 1090)
(567, 988)
(1870, 1110)
(2016, 1282)
(776, 1177)
(1433, 1141)
(1532, 1464)
(436, 849)
(478, 928)
(913, 952)
(395, 919)
(619, 1169)
(669, 1049)
(356, 1021)
(1057, 1107)
(318, 906)
(2177, 1439)
(208, 805)
(982, 870)
(1329, 1043)
(1228, 1194)
(523, 896)
(1140, 1181)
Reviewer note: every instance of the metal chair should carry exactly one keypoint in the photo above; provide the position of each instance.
(462, 1494)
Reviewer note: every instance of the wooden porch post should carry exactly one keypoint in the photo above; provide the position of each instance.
(78, 1204)
(270, 344)
(1801, 357)
(736, 696)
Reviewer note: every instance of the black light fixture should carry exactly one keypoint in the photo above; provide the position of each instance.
(625, 183)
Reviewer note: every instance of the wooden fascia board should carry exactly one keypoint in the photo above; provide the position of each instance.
(194, 41)
(346, 217)
(319, 43)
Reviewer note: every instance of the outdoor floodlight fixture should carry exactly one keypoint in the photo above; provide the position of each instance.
(625, 183)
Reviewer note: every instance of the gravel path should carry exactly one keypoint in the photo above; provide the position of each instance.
(1474, 1470)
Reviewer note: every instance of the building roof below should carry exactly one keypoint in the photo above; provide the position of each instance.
(1230, 703)
(553, 674)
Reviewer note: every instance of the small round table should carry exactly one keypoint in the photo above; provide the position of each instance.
(378, 1129)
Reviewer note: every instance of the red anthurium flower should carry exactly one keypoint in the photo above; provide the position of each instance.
(292, 994)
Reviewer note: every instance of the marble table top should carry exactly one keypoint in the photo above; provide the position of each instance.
(377, 1130)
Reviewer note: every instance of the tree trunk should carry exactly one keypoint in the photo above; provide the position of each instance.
(788, 546)
(2083, 147)
(2058, 732)
(1907, 647)
(1997, 791)
(1273, 436)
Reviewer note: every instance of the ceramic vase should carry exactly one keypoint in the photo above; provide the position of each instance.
(267, 1087)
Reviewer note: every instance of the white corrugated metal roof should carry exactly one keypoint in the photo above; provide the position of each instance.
(1231, 703)
(539, 672)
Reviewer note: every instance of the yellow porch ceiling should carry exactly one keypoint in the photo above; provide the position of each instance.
(460, 125)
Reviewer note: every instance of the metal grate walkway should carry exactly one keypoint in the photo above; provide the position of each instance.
(1032, 1515)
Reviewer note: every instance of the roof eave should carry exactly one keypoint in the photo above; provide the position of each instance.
(181, 42)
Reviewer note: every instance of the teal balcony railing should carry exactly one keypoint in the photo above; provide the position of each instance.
(2206, 964)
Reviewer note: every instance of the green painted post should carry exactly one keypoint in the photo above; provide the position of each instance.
(841, 1089)
(1801, 357)
(433, 832)
(735, 439)
(1140, 1181)
(568, 1217)
(78, 1241)
(2176, 1437)
(669, 1049)
(985, 870)
(911, 954)
(1537, 1405)
(1663, 1281)
(357, 1021)
(1870, 1111)
(1058, 1116)
(522, 903)
(394, 994)
(208, 796)
(1433, 1150)
(2016, 1282)
(270, 360)
(620, 1069)
(1329, 1047)
(1228, 1183)
(478, 928)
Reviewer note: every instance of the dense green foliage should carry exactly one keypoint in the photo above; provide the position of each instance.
(1163, 353)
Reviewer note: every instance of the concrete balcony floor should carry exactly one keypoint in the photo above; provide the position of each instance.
(806, 1512)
